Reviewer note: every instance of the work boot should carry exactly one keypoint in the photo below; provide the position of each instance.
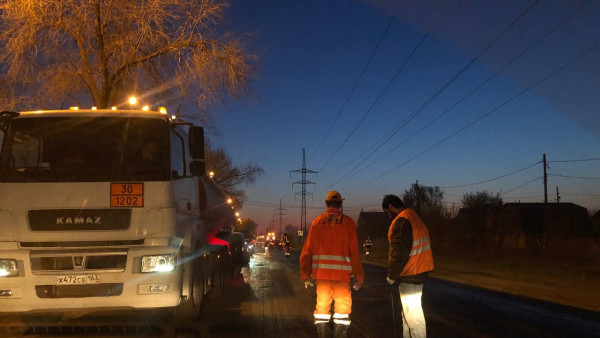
(323, 330)
(340, 331)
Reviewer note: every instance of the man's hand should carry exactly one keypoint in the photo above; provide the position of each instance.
(308, 283)
(356, 286)
(390, 281)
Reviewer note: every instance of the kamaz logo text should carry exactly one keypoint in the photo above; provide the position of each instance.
(78, 220)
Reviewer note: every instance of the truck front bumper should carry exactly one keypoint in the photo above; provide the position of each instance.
(88, 289)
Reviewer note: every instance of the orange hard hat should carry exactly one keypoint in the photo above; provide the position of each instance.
(333, 196)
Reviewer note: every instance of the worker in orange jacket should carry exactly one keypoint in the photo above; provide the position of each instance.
(331, 257)
(409, 262)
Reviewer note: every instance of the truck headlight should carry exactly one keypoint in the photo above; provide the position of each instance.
(159, 263)
(8, 267)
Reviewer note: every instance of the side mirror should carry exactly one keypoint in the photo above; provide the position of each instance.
(197, 168)
(5, 117)
(196, 141)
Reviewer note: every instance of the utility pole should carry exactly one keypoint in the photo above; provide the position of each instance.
(303, 193)
(545, 181)
(418, 196)
(280, 209)
(557, 195)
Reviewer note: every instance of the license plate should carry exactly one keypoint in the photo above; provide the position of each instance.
(77, 279)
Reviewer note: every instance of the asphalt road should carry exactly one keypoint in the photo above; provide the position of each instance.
(266, 298)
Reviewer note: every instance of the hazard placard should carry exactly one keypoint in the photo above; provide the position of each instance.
(126, 195)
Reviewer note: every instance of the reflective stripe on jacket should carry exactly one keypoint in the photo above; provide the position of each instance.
(421, 258)
(331, 249)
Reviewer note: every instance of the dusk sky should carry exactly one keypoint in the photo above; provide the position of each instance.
(384, 93)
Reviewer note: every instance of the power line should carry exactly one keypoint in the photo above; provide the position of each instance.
(568, 180)
(271, 205)
(593, 195)
(492, 179)
(520, 186)
(484, 115)
(385, 88)
(442, 89)
(582, 160)
(456, 103)
(539, 196)
(579, 177)
(357, 81)
(422, 50)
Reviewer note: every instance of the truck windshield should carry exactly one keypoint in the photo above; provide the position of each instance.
(85, 149)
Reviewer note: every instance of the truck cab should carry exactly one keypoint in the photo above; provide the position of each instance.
(106, 209)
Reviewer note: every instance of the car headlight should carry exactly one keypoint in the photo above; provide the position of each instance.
(159, 263)
(8, 267)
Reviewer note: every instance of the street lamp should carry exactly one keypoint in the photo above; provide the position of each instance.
(132, 100)
(211, 174)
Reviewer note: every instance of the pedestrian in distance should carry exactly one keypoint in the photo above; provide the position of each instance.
(287, 244)
(367, 245)
(331, 258)
(409, 261)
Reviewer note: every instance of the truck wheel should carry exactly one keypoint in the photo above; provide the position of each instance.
(192, 307)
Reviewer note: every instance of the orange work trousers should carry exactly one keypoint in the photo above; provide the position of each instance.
(338, 292)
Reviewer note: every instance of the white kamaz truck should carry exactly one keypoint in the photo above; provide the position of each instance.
(107, 209)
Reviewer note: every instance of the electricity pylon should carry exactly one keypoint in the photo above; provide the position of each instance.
(303, 193)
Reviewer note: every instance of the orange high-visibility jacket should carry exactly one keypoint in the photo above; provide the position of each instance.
(331, 249)
(421, 258)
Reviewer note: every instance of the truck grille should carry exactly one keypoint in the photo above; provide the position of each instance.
(79, 291)
(45, 262)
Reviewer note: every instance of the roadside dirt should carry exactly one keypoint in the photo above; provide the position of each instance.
(563, 283)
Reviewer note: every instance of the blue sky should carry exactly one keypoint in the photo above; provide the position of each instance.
(451, 126)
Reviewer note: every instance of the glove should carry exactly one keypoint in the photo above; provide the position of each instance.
(390, 281)
(307, 283)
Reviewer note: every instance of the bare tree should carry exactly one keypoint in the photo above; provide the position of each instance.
(424, 199)
(473, 199)
(229, 176)
(78, 51)
(246, 226)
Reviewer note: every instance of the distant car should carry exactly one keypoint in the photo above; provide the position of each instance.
(250, 245)
(275, 244)
(238, 249)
